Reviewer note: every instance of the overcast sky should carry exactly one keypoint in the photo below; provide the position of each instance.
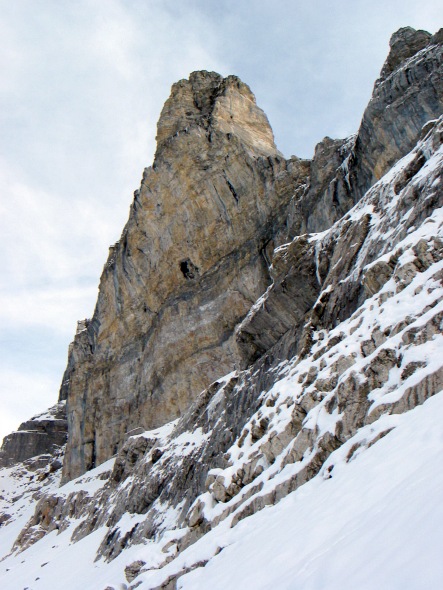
(81, 88)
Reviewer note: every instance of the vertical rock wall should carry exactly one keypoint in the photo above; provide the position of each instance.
(191, 261)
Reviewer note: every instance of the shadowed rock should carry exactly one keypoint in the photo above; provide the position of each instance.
(407, 95)
(41, 435)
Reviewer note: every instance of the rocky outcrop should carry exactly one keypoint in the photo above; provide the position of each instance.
(42, 435)
(192, 259)
(327, 195)
(402, 103)
(403, 44)
(196, 251)
(295, 288)
(194, 255)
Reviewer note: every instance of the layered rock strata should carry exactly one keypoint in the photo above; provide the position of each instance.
(194, 255)
(408, 93)
(321, 395)
(41, 435)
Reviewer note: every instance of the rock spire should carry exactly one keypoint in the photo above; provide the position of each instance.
(192, 259)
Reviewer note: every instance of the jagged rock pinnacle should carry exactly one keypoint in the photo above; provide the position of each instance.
(209, 101)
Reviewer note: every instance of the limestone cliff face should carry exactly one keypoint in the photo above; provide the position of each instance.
(323, 392)
(191, 261)
(195, 253)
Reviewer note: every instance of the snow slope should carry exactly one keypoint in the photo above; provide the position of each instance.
(374, 523)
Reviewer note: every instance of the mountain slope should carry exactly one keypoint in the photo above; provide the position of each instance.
(310, 462)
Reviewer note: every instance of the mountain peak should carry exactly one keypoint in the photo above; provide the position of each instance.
(209, 101)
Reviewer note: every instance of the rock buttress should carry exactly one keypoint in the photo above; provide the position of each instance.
(190, 262)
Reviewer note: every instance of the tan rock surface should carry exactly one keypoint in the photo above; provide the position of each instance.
(189, 265)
